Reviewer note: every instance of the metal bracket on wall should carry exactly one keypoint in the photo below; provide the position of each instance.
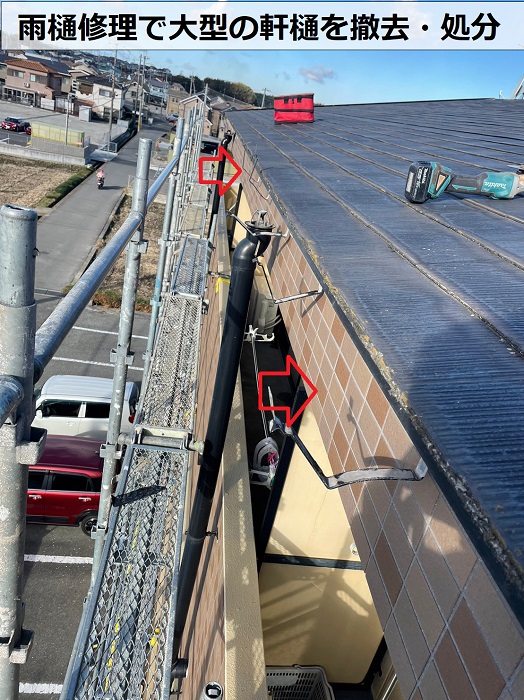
(352, 477)
(254, 182)
(261, 218)
(294, 297)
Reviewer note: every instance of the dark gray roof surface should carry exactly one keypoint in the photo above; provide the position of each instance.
(438, 287)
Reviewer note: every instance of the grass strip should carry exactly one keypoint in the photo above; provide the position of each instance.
(59, 192)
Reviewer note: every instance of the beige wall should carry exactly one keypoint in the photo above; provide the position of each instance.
(306, 608)
(446, 623)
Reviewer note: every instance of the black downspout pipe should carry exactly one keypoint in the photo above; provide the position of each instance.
(220, 177)
(242, 273)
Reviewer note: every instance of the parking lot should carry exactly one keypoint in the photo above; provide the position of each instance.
(58, 559)
(86, 349)
(94, 129)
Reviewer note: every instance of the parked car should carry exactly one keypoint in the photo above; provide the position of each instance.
(64, 487)
(75, 405)
(14, 124)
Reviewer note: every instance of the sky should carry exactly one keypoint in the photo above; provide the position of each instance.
(353, 76)
(345, 77)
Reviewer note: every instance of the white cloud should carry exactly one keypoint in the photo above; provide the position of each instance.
(318, 74)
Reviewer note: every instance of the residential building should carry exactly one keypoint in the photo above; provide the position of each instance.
(175, 95)
(98, 93)
(158, 90)
(136, 94)
(79, 70)
(3, 68)
(29, 82)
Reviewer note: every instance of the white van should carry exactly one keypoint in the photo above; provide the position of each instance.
(73, 405)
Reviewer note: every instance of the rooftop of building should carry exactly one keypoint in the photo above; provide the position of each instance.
(434, 291)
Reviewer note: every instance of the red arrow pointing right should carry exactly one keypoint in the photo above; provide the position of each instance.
(222, 153)
(290, 419)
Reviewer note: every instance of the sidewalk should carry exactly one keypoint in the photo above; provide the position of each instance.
(68, 233)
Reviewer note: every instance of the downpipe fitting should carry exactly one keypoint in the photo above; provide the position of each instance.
(258, 225)
(212, 690)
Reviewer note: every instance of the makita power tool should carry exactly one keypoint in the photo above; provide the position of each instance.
(428, 180)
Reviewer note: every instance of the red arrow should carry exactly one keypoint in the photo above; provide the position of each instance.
(222, 153)
(289, 418)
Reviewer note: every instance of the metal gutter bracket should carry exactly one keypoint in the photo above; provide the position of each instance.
(352, 477)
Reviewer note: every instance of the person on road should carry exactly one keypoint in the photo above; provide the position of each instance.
(100, 177)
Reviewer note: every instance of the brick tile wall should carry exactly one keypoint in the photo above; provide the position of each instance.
(449, 629)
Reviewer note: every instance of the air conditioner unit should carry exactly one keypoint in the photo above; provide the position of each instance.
(27, 84)
(262, 312)
(298, 683)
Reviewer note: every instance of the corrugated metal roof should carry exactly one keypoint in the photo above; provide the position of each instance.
(438, 287)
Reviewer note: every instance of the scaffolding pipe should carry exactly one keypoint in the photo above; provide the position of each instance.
(186, 166)
(200, 132)
(177, 208)
(168, 212)
(243, 269)
(17, 344)
(121, 355)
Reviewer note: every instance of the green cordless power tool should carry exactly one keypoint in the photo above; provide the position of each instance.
(428, 180)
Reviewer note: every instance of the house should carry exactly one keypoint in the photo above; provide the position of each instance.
(158, 90)
(136, 94)
(407, 320)
(99, 94)
(60, 67)
(78, 70)
(28, 81)
(3, 68)
(175, 94)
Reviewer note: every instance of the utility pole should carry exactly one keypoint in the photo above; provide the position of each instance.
(111, 108)
(263, 97)
(67, 120)
(70, 98)
(141, 107)
(135, 101)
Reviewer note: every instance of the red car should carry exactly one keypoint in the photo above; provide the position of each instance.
(14, 124)
(64, 487)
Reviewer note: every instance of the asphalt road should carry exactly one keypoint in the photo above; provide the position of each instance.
(19, 138)
(67, 234)
(57, 567)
